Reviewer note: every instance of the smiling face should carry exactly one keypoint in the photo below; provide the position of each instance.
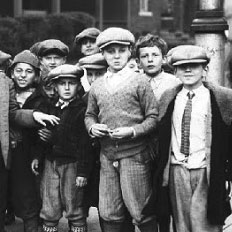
(117, 56)
(150, 60)
(24, 75)
(66, 88)
(191, 74)
(89, 46)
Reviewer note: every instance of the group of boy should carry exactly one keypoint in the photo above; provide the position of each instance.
(188, 119)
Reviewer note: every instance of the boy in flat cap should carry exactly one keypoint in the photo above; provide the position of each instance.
(95, 67)
(122, 112)
(52, 53)
(87, 41)
(195, 121)
(67, 161)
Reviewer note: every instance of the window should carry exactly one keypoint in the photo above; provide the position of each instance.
(144, 8)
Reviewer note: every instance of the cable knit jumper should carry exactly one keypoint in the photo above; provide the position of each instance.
(130, 104)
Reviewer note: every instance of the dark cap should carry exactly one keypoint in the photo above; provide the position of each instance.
(184, 54)
(95, 61)
(115, 35)
(90, 32)
(52, 46)
(26, 57)
(4, 57)
(65, 70)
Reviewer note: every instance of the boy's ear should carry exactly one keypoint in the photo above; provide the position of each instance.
(64, 59)
(138, 63)
(164, 61)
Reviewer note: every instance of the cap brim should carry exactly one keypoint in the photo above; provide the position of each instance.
(79, 40)
(48, 51)
(66, 76)
(195, 61)
(93, 66)
(114, 42)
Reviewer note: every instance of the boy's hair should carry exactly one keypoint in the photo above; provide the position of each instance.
(150, 40)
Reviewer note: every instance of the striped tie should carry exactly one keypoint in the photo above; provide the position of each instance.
(185, 125)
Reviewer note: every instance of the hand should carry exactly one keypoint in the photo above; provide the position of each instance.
(41, 118)
(35, 166)
(81, 181)
(45, 134)
(99, 130)
(121, 132)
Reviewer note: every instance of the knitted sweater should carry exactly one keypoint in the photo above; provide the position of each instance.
(131, 104)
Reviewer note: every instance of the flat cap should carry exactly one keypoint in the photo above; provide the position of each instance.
(52, 46)
(4, 57)
(65, 70)
(115, 35)
(26, 57)
(95, 61)
(184, 54)
(90, 32)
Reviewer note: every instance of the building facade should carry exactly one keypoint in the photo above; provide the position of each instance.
(140, 16)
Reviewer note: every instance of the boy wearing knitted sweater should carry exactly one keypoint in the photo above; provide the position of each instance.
(122, 112)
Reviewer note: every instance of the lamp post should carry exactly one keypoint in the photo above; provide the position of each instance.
(18, 8)
(55, 7)
(209, 26)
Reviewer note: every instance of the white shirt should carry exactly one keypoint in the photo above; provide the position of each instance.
(162, 82)
(200, 104)
(113, 80)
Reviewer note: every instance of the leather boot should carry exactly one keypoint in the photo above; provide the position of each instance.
(31, 224)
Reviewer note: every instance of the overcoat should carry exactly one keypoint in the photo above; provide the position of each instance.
(9, 111)
(218, 148)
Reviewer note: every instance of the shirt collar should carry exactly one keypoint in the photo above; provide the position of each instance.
(199, 91)
(62, 104)
(124, 72)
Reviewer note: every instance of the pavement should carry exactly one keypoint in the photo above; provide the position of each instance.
(93, 224)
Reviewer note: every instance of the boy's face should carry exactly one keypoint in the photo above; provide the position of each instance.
(150, 60)
(93, 74)
(24, 75)
(116, 56)
(52, 61)
(49, 90)
(89, 46)
(66, 88)
(190, 74)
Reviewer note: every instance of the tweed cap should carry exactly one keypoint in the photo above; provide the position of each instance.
(26, 57)
(4, 57)
(95, 61)
(52, 46)
(65, 70)
(184, 54)
(90, 32)
(115, 35)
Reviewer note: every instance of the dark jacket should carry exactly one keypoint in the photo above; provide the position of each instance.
(70, 140)
(220, 149)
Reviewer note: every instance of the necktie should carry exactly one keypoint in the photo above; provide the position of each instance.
(185, 125)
